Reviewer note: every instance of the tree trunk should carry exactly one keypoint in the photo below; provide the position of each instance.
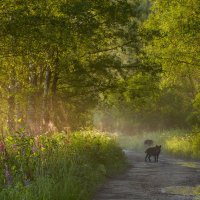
(55, 78)
(11, 102)
(46, 116)
(19, 116)
(11, 112)
(54, 98)
(31, 109)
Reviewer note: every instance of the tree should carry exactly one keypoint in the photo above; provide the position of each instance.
(171, 40)
(172, 28)
(162, 91)
(64, 53)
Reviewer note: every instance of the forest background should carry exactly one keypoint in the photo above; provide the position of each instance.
(119, 66)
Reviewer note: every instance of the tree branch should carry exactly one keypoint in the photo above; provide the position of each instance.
(108, 49)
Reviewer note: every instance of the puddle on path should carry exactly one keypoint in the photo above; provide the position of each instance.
(183, 191)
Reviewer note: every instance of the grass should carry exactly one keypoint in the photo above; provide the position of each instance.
(187, 145)
(175, 142)
(72, 170)
(184, 191)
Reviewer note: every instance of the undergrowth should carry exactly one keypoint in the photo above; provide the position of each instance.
(61, 167)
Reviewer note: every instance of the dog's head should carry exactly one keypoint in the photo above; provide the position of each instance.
(158, 147)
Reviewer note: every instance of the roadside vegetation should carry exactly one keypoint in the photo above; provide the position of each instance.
(186, 145)
(59, 166)
(175, 142)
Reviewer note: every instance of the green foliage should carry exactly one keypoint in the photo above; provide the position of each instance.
(162, 92)
(171, 40)
(60, 166)
(185, 146)
(56, 56)
(194, 116)
(136, 61)
(173, 27)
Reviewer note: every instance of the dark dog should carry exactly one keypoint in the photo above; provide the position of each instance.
(148, 142)
(153, 151)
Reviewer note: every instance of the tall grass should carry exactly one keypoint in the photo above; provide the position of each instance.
(175, 142)
(72, 170)
(187, 145)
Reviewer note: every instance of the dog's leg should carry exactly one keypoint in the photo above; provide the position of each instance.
(146, 157)
(149, 158)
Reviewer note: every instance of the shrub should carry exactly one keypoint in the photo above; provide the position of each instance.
(59, 166)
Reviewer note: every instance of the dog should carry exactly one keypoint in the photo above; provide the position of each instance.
(148, 142)
(153, 151)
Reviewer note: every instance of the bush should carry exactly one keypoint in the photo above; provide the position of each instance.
(58, 167)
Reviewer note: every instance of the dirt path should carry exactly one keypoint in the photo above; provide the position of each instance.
(153, 181)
